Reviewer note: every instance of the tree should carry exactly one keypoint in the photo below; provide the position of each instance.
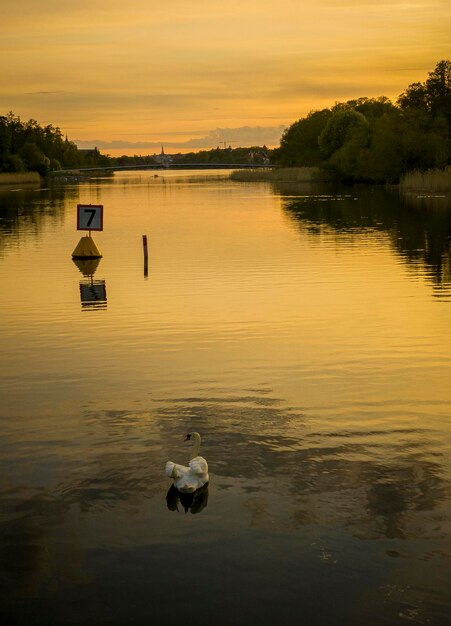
(432, 99)
(299, 143)
(432, 96)
(28, 145)
(424, 141)
(438, 90)
(342, 127)
(371, 108)
(414, 97)
(371, 139)
(382, 160)
(34, 159)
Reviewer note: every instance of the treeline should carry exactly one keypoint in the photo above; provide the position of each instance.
(374, 140)
(367, 140)
(260, 155)
(28, 146)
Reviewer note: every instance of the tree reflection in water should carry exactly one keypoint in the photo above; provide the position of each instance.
(418, 226)
(27, 210)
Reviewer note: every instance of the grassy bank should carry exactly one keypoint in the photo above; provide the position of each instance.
(431, 180)
(437, 180)
(84, 172)
(279, 174)
(19, 178)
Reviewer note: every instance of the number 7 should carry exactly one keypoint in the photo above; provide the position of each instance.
(93, 212)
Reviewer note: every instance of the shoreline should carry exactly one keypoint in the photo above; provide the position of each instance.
(280, 175)
(431, 181)
(14, 178)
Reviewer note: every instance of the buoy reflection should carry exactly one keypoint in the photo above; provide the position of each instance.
(92, 291)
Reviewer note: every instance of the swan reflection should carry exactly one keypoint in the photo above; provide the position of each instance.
(193, 502)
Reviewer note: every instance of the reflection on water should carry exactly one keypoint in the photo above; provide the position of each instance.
(304, 335)
(29, 210)
(419, 227)
(193, 502)
(92, 291)
(372, 480)
(92, 294)
(294, 508)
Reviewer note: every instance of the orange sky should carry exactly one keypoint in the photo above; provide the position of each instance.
(192, 74)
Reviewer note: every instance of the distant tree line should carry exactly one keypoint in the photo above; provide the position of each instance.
(374, 140)
(28, 146)
(260, 155)
(367, 139)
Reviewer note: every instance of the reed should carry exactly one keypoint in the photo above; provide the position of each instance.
(280, 174)
(430, 180)
(19, 178)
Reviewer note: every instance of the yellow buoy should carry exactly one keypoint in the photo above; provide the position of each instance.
(86, 249)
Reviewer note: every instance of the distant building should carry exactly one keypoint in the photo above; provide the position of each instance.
(258, 156)
(89, 152)
(162, 158)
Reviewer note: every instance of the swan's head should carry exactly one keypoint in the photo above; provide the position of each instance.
(191, 436)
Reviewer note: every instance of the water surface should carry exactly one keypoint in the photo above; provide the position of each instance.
(303, 331)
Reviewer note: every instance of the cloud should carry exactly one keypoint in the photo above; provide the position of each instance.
(242, 136)
(44, 93)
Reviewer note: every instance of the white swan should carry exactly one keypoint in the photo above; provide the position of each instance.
(195, 476)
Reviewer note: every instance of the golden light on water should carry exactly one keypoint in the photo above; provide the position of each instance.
(306, 336)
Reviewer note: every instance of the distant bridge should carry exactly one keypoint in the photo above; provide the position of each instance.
(171, 166)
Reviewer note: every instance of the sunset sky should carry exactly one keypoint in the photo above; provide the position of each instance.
(127, 77)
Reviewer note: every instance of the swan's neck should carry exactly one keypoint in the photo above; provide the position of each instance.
(196, 445)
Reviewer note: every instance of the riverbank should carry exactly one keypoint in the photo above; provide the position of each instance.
(19, 178)
(431, 180)
(280, 175)
(436, 180)
(80, 175)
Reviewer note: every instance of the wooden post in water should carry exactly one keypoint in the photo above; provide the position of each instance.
(146, 256)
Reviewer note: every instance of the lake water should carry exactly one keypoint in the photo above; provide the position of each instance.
(304, 332)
